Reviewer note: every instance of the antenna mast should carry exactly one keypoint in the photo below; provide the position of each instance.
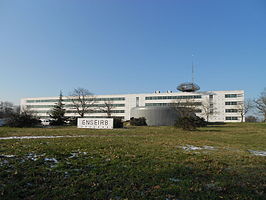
(189, 87)
(192, 69)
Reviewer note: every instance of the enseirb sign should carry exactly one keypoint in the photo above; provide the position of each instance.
(96, 123)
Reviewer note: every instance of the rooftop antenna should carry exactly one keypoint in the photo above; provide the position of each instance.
(192, 68)
(189, 87)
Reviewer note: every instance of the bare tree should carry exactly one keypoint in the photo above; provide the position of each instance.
(6, 109)
(244, 107)
(186, 107)
(260, 104)
(107, 108)
(208, 109)
(82, 100)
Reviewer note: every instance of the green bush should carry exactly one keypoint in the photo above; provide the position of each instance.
(190, 123)
(118, 122)
(23, 119)
(200, 121)
(138, 121)
(251, 118)
(73, 121)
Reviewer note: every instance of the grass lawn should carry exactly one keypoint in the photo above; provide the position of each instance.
(216, 162)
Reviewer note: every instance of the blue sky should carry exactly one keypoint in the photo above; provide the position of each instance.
(126, 46)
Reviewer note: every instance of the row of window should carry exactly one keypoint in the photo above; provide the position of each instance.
(231, 103)
(123, 98)
(123, 105)
(70, 100)
(173, 97)
(232, 95)
(42, 101)
(231, 118)
(71, 105)
(74, 111)
(173, 104)
(158, 104)
(231, 110)
(122, 117)
(98, 111)
(48, 117)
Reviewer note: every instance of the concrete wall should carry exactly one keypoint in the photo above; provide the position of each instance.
(156, 115)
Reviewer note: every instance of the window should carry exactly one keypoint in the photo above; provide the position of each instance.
(231, 110)
(230, 103)
(40, 106)
(231, 118)
(211, 96)
(137, 101)
(40, 111)
(230, 95)
(111, 99)
(42, 101)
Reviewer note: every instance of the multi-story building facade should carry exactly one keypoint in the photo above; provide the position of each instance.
(217, 106)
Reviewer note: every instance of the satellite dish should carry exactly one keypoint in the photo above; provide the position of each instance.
(188, 87)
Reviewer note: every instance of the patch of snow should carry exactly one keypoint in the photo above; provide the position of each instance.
(73, 155)
(4, 162)
(174, 179)
(209, 147)
(33, 156)
(7, 156)
(194, 148)
(60, 136)
(190, 148)
(214, 186)
(51, 160)
(40, 137)
(210, 185)
(258, 153)
(29, 184)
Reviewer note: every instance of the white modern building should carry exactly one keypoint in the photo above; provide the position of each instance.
(222, 106)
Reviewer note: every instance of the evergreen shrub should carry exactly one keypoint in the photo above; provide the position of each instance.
(138, 121)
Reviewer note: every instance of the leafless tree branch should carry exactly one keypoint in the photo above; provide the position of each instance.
(82, 101)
